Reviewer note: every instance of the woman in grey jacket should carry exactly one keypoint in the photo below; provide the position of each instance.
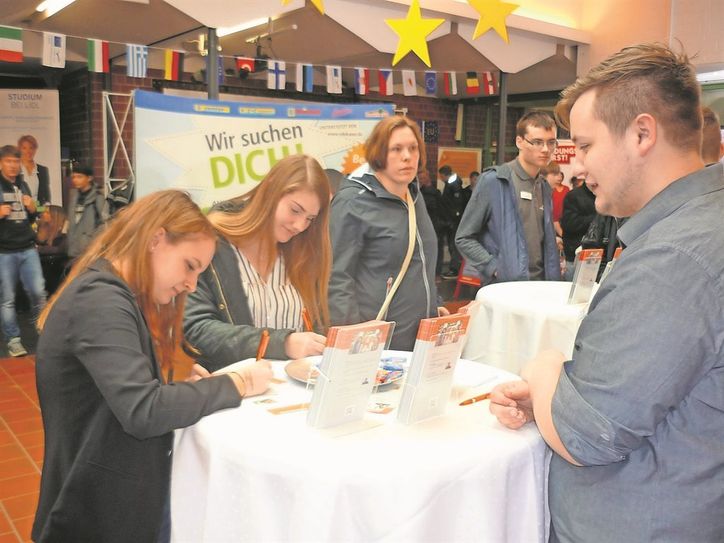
(370, 232)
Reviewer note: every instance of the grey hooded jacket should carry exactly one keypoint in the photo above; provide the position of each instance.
(95, 215)
(369, 231)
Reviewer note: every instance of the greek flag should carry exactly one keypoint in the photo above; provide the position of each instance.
(137, 60)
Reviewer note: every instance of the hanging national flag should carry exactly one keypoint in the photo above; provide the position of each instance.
(137, 60)
(245, 63)
(98, 56)
(409, 85)
(386, 84)
(334, 79)
(173, 68)
(276, 75)
(361, 81)
(472, 85)
(11, 44)
(451, 83)
(305, 78)
(489, 84)
(53, 50)
(430, 82)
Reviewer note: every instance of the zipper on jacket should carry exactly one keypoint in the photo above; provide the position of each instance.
(221, 292)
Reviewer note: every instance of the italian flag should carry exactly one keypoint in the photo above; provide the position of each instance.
(11, 44)
(98, 56)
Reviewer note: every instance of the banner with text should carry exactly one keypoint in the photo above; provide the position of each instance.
(34, 113)
(218, 150)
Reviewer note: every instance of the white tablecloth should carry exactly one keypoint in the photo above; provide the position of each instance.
(519, 319)
(247, 475)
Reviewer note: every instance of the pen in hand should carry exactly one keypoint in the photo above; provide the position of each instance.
(476, 399)
(263, 342)
(307, 320)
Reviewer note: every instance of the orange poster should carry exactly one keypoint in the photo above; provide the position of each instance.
(462, 160)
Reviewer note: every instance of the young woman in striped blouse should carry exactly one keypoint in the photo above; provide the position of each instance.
(272, 261)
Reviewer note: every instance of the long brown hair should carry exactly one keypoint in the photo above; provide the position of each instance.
(126, 241)
(50, 229)
(307, 256)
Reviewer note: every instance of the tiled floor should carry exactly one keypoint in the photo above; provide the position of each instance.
(21, 448)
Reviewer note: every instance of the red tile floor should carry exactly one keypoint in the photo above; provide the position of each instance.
(21, 448)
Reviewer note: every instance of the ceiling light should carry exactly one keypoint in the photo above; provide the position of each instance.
(51, 7)
(226, 30)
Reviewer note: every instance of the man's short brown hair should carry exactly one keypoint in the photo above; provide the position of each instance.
(540, 119)
(378, 141)
(644, 78)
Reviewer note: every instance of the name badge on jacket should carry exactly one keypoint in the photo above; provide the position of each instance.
(525, 195)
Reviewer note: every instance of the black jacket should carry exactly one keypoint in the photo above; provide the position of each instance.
(16, 234)
(579, 209)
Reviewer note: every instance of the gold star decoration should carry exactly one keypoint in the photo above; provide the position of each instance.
(412, 31)
(319, 4)
(492, 15)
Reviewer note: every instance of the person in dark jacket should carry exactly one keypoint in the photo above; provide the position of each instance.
(579, 209)
(454, 200)
(506, 233)
(105, 376)
(369, 226)
(19, 259)
(434, 206)
(272, 262)
(88, 211)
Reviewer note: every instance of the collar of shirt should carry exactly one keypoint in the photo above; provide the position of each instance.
(678, 193)
(26, 172)
(520, 172)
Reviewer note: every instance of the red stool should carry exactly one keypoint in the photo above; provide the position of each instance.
(466, 276)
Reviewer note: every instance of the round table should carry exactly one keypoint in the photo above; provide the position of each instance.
(247, 475)
(519, 319)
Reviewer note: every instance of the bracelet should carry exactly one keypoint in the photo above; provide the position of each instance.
(243, 382)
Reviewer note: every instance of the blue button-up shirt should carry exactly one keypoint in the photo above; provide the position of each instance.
(641, 405)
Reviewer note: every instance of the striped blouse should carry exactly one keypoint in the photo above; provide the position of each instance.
(275, 303)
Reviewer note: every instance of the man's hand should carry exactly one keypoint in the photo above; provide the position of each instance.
(5, 210)
(511, 404)
(29, 203)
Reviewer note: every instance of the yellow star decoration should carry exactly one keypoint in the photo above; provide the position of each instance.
(319, 4)
(412, 32)
(492, 15)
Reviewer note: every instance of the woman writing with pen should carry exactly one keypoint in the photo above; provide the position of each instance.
(272, 263)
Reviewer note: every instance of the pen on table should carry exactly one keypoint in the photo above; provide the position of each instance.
(263, 342)
(476, 399)
(307, 320)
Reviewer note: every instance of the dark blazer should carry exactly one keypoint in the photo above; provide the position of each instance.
(108, 417)
(43, 195)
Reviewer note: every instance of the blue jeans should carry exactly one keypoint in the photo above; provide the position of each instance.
(26, 266)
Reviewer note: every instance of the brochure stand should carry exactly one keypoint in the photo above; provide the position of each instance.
(348, 372)
(584, 276)
(429, 379)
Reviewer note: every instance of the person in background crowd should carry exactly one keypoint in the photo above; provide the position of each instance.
(273, 260)
(104, 369)
(579, 210)
(434, 206)
(507, 232)
(712, 146)
(554, 176)
(473, 179)
(35, 175)
(19, 258)
(454, 200)
(52, 243)
(370, 229)
(88, 211)
(636, 414)
(576, 182)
